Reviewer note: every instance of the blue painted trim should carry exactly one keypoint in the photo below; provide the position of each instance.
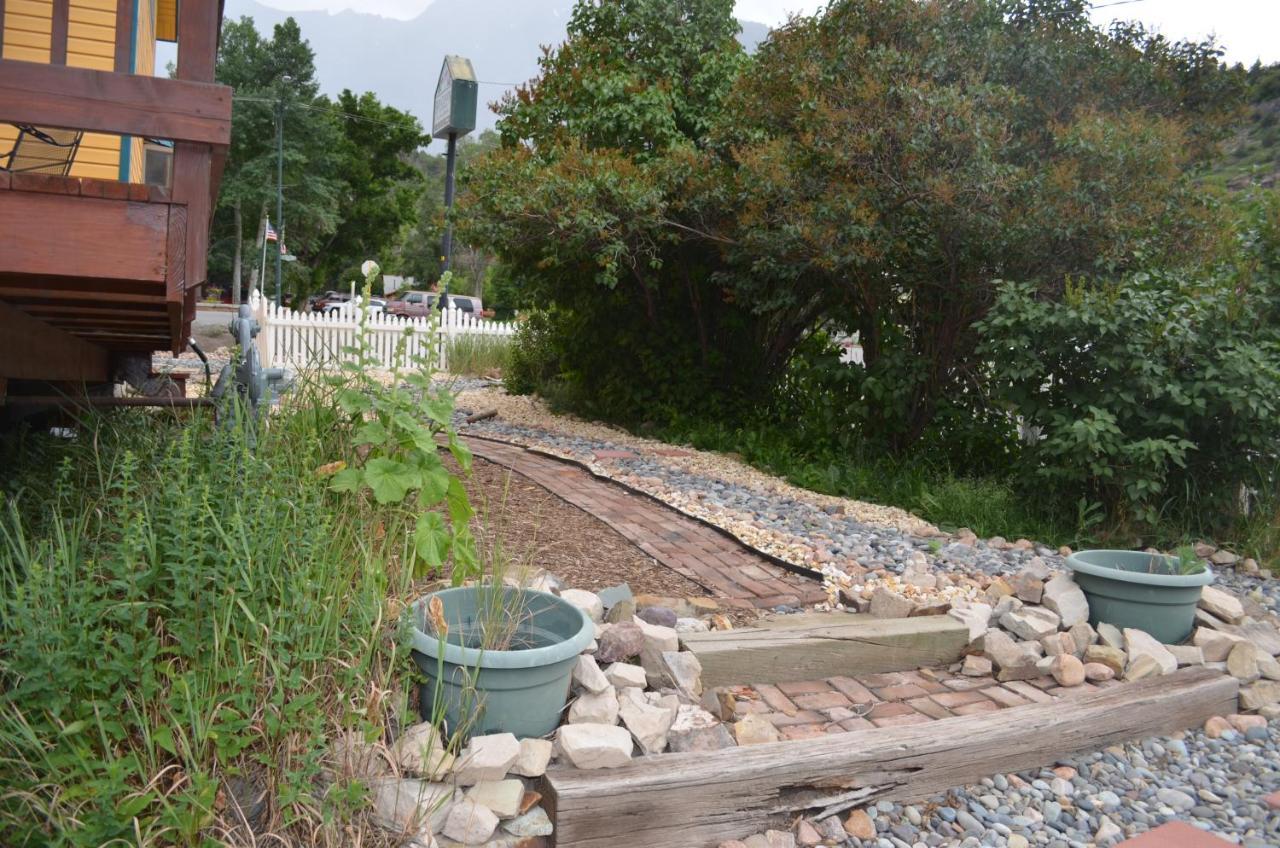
(126, 142)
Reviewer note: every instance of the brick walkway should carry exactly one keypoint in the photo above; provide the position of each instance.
(729, 570)
(841, 704)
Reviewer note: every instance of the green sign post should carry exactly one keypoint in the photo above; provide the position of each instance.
(457, 93)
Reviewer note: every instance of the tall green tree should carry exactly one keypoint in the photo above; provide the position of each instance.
(891, 160)
(378, 187)
(593, 201)
(265, 72)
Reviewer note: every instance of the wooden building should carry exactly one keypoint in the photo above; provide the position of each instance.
(103, 250)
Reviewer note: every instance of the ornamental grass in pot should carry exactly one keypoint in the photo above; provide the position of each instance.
(1152, 592)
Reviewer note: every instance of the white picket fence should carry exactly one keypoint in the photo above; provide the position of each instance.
(309, 340)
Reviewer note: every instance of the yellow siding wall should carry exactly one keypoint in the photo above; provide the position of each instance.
(91, 39)
(91, 43)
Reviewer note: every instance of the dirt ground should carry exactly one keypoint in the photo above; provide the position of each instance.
(536, 529)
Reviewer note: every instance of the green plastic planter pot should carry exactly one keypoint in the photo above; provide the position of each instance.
(521, 690)
(1123, 591)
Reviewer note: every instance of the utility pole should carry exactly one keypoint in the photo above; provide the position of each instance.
(279, 194)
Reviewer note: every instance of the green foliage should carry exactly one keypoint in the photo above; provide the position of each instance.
(591, 203)
(395, 430)
(178, 610)
(347, 190)
(1162, 389)
(533, 361)
(891, 159)
(1253, 154)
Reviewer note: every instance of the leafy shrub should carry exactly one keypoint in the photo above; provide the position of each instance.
(1156, 393)
(532, 359)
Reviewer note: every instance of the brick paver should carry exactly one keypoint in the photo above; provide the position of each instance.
(808, 708)
(728, 569)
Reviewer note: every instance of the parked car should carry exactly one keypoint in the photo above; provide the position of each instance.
(418, 304)
(336, 302)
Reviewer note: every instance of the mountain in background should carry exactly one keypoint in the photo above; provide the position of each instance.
(400, 60)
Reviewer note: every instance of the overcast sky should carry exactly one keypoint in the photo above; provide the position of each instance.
(1248, 29)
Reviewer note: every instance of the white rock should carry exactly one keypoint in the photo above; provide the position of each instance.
(1030, 623)
(536, 822)
(1187, 654)
(1242, 662)
(420, 751)
(534, 756)
(681, 671)
(658, 638)
(410, 806)
(1221, 604)
(590, 708)
(1063, 596)
(1108, 831)
(470, 823)
(977, 617)
(486, 758)
(622, 675)
(588, 602)
(1110, 635)
(501, 796)
(595, 746)
(1268, 667)
(889, 604)
(588, 677)
(1224, 558)
(1140, 643)
(691, 625)
(1215, 644)
(648, 723)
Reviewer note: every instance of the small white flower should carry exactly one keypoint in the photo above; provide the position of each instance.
(369, 268)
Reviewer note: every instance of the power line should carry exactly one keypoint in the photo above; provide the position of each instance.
(1115, 3)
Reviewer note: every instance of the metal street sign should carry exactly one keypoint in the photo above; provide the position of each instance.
(457, 93)
(288, 257)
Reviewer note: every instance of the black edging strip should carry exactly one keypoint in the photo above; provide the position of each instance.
(776, 560)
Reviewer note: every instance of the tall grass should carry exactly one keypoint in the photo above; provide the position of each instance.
(183, 617)
(476, 356)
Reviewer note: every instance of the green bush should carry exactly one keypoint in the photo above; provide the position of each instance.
(474, 355)
(1156, 396)
(532, 358)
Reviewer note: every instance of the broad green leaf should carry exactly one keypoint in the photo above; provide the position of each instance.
(460, 452)
(353, 401)
(460, 510)
(439, 408)
(390, 480)
(371, 433)
(431, 539)
(347, 480)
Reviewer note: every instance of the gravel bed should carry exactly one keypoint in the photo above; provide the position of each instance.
(1101, 798)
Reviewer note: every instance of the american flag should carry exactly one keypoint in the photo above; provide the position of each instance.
(271, 232)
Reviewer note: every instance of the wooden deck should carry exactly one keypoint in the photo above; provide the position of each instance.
(93, 270)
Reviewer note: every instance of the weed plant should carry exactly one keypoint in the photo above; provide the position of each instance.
(471, 355)
(180, 614)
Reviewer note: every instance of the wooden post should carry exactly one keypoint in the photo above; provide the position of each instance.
(58, 33)
(124, 35)
(705, 798)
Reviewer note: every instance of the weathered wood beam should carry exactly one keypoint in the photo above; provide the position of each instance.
(69, 236)
(819, 645)
(21, 289)
(124, 45)
(32, 350)
(59, 25)
(199, 22)
(110, 102)
(702, 799)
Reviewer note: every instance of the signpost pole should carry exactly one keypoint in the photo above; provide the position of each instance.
(450, 163)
